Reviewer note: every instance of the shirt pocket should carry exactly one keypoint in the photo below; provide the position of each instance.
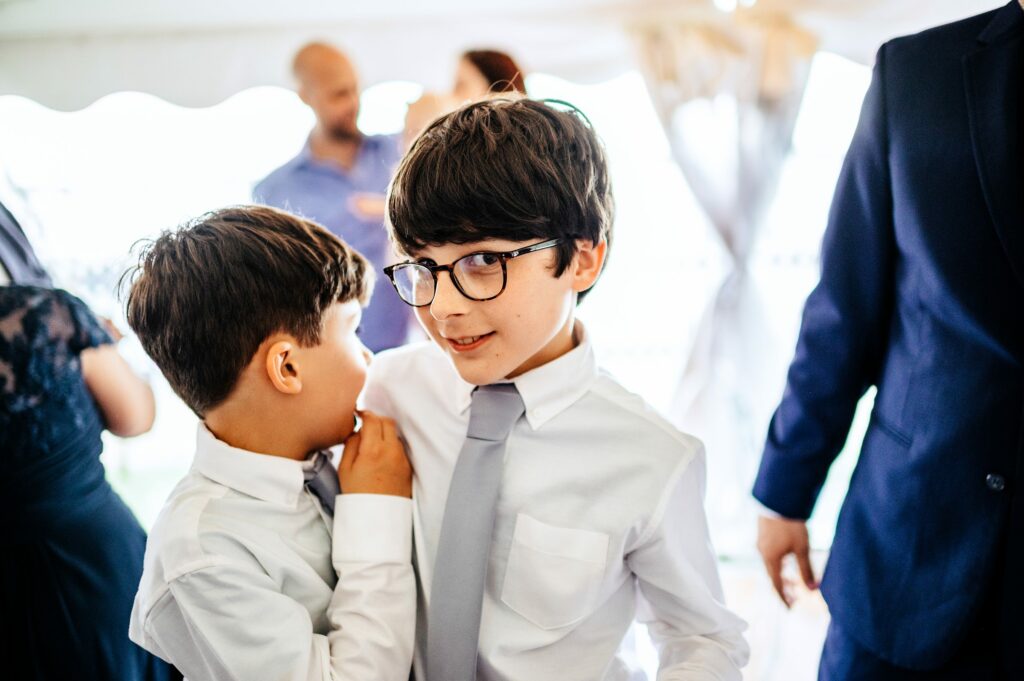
(554, 574)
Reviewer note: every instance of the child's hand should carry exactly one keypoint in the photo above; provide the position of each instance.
(374, 461)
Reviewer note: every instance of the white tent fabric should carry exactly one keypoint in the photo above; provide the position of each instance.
(740, 85)
(66, 54)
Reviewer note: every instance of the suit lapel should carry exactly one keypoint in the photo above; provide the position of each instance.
(992, 77)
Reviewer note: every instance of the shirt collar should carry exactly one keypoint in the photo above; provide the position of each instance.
(270, 478)
(305, 155)
(551, 388)
(367, 145)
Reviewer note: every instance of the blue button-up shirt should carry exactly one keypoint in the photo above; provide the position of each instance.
(323, 191)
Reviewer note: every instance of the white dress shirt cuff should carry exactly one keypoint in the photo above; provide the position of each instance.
(372, 528)
(766, 512)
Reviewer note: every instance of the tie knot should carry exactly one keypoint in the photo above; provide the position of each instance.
(495, 409)
(322, 480)
(319, 459)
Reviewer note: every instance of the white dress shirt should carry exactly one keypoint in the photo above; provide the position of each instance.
(600, 521)
(240, 581)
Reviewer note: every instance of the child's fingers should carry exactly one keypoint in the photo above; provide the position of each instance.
(389, 429)
(372, 428)
(351, 451)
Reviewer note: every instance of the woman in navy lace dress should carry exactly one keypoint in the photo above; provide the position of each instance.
(72, 551)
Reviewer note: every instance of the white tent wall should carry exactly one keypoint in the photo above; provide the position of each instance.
(203, 68)
(65, 54)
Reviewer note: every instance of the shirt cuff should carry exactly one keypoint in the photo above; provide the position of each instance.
(763, 510)
(372, 528)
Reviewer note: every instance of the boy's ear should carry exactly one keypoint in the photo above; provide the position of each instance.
(587, 263)
(283, 367)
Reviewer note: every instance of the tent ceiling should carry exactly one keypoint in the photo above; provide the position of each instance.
(68, 53)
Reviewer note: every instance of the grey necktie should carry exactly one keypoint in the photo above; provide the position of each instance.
(322, 481)
(460, 571)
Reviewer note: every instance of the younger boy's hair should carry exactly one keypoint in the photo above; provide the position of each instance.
(507, 168)
(204, 297)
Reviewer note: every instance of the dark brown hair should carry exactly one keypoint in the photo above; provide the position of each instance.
(503, 168)
(205, 296)
(499, 69)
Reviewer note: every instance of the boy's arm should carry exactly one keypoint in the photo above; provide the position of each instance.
(681, 596)
(231, 622)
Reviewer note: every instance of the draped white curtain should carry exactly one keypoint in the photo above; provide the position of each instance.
(728, 95)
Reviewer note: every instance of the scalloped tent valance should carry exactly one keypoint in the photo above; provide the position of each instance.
(66, 54)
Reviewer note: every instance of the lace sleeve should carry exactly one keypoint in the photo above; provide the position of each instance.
(87, 331)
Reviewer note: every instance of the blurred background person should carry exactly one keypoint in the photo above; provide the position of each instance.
(478, 73)
(18, 262)
(73, 550)
(339, 179)
(483, 72)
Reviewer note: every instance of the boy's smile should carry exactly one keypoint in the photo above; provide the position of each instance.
(527, 325)
(468, 343)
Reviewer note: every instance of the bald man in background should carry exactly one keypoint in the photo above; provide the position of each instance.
(339, 179)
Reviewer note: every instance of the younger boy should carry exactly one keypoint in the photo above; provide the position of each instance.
(252, 314)
(552, 507)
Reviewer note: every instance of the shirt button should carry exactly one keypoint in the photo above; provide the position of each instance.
(995, 482)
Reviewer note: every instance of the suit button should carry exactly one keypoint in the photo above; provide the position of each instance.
(995, 482)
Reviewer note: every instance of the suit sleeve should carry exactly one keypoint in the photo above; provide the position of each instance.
(845, 323)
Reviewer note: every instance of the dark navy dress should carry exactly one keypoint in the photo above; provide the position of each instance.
(72, 551)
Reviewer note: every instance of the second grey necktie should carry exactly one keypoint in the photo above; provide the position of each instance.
(322, 481)
(460, 571)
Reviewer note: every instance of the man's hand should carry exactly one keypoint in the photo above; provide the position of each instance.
(423, 112)
(777, 538)
(374, 461)
(368, 206)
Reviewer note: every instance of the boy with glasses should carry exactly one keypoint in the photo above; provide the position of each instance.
(552, 508)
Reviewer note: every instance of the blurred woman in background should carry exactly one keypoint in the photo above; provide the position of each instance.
(483, 72)
(72, 549)
(478, 74)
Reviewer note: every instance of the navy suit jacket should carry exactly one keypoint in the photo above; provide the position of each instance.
(921, 295)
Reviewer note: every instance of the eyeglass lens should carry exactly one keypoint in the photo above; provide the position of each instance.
(480, 276)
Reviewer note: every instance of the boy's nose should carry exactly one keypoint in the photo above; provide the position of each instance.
(447, 299)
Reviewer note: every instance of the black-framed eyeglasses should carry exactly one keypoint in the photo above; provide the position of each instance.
(478, 276)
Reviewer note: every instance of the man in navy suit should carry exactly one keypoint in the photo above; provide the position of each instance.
(922, 296)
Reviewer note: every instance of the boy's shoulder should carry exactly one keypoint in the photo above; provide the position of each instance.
(409, 354)
(417, 374)
(420, 363)
(650, 432)
(203, 524)
(175, 540)
(607, 410)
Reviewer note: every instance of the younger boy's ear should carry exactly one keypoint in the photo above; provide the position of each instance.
(283, 368)
(587, 263)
